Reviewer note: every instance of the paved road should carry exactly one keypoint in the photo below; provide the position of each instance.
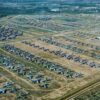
(94, 85)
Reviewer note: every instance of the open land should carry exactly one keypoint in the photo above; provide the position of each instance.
(54, 55)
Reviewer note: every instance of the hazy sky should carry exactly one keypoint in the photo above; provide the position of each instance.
(50, 0)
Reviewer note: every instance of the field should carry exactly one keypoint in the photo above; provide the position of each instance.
(52, 56)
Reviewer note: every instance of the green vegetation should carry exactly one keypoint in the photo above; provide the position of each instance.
(90, 95)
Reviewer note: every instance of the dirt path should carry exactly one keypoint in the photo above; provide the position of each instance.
(22, 82)
(62, 61)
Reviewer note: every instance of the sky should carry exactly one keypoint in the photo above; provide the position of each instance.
(50, 0)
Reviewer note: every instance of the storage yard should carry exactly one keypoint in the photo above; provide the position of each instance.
(50, 57)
